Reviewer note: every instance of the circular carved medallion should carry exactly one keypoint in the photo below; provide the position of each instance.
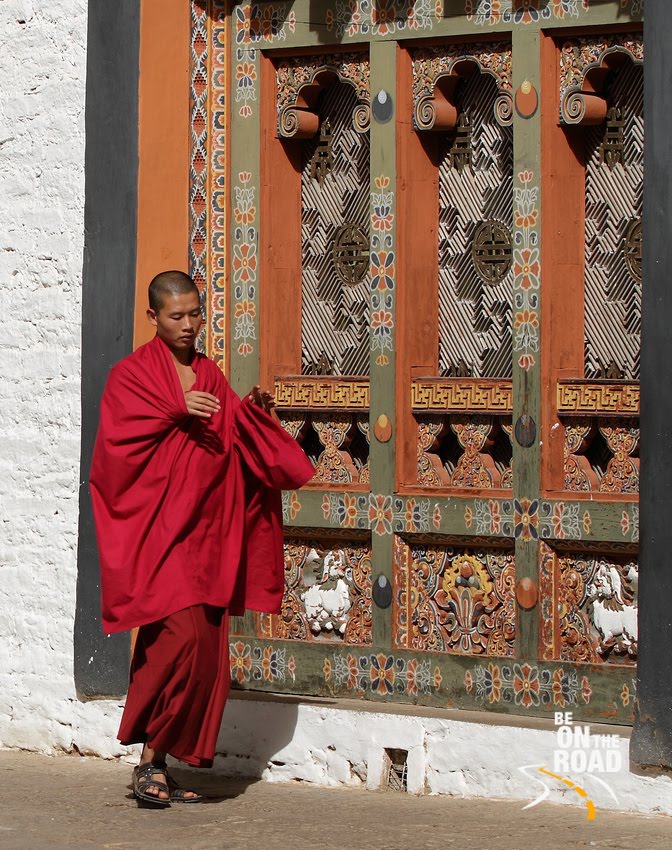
(632, 249)
(351, 253)
(491, 251)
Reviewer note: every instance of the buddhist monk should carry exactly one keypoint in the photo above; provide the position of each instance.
(185, 483)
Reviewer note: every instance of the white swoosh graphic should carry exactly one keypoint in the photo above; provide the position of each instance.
(535, 778)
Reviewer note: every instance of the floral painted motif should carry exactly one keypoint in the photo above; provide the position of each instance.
(491, 12)
(491, 517)
(625, 523)
(586, 690)
(257, 663)
(267, 22)
(560, 520)
(380, 514)
(244, 265)
(527, 269)
(256, 23)
(246, 76)
(531, 519)
(525, 519)
(380, 17)
(628, 692)
(382, 270)
(381, 674)
(346, 511)
(527, 685)
(630, 523)
(290, 506)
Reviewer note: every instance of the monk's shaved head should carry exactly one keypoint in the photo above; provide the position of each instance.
(169, 283)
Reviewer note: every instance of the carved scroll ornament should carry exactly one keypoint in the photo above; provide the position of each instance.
(300, 81)
(438, 70)
(585, 64)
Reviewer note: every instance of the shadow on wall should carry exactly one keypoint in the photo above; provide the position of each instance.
(254, 734)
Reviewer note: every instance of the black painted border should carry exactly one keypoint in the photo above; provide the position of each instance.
(651, 742)
(110, 221)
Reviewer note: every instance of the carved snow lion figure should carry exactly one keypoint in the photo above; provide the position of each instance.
(328, 600)
(612, 593)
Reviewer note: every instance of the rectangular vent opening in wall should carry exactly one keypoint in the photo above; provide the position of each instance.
(396, 766)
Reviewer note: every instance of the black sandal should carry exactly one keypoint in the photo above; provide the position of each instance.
(143, 777)
(178, 795)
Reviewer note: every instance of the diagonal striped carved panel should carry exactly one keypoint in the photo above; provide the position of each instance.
(475, 316)
(613, 201)
(335, 315)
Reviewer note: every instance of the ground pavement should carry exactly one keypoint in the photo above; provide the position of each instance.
(72, 802)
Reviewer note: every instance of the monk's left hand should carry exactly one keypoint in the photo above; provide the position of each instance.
(262, 398)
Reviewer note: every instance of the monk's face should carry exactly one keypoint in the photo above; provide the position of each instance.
(178, 321)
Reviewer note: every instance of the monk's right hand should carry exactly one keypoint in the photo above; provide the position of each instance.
(203, 405)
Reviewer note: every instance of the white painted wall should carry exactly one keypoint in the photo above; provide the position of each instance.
(331, 746)
(42, 89)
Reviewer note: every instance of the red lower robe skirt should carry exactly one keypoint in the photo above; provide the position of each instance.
(180, 679)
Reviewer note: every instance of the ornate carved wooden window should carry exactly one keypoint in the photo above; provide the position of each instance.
(335, 240)
(325, 101)
(603, 89)
(470, 102)
(613, 232)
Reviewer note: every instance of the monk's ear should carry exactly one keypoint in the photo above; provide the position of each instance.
(151, 316)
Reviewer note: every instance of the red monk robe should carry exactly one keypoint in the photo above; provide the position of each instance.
(187, 514)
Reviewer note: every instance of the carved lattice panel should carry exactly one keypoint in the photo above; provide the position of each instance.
(475, 314)
(459, 600)
(602, 454)
(593, 616)
(327, 593)
(465, 451)
(335, 313)
(337, 444)
(613, 240)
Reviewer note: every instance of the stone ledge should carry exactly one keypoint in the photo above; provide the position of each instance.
(483, 718)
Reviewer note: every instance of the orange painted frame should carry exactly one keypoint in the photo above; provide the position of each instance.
(164, 148)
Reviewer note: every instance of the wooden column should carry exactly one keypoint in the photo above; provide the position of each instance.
(651, 742)
(563, 224)
(417, 266)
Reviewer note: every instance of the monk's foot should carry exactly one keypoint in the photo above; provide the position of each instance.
(150, 784)
(181, 795)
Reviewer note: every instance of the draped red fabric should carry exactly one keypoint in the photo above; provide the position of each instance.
(180, 679)
(187, 510)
